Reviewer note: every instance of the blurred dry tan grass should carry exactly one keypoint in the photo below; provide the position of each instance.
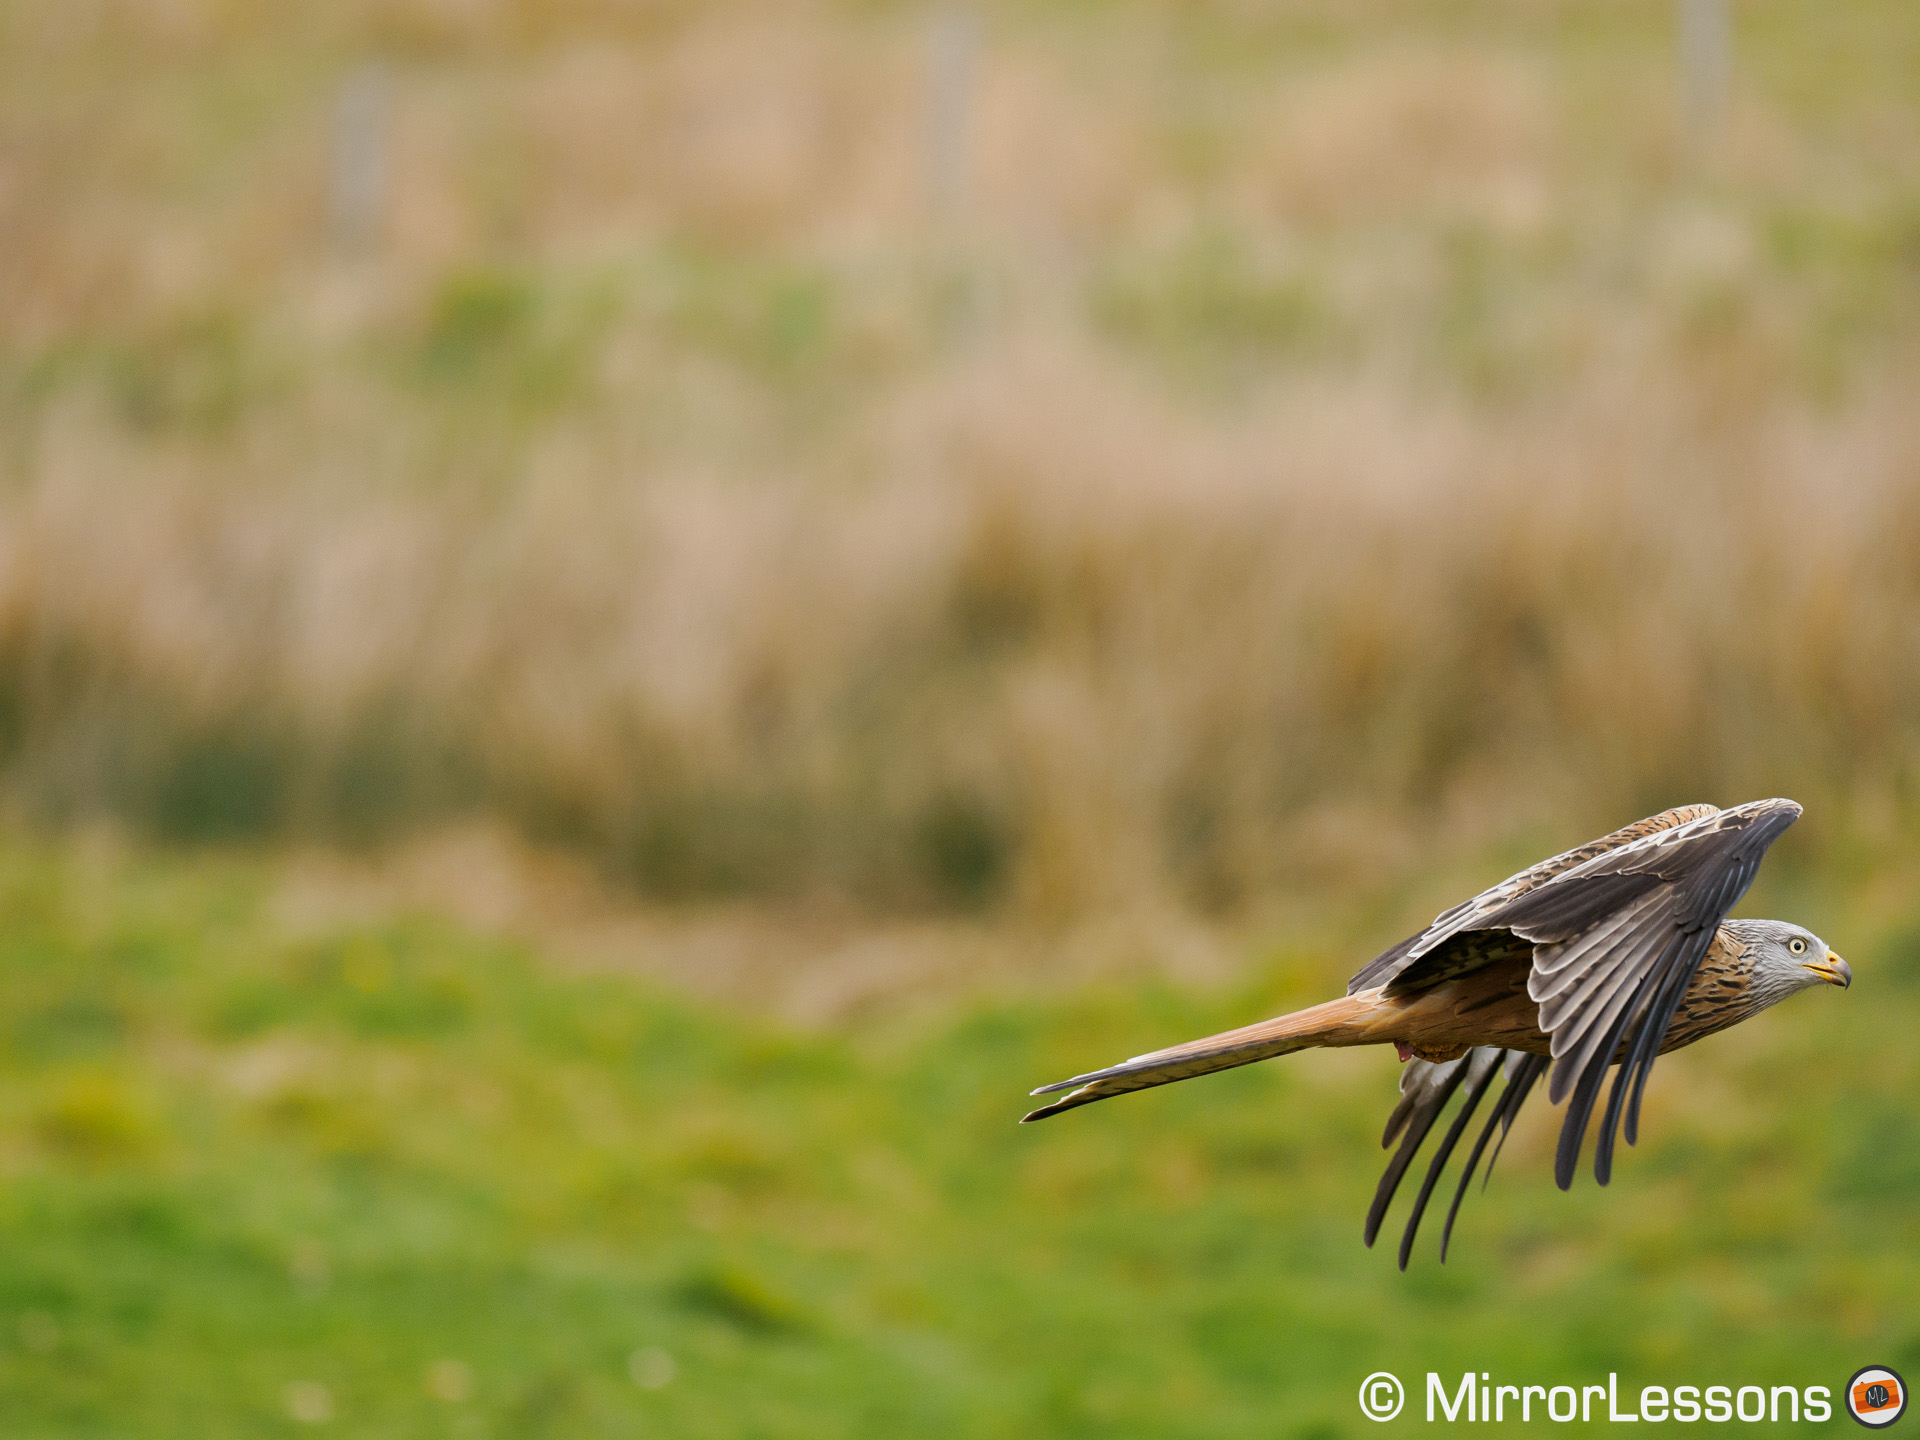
(1307, 428)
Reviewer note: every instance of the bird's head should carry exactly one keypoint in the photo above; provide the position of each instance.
(1786, 958)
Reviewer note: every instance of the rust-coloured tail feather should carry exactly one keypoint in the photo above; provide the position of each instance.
(1332, 1023)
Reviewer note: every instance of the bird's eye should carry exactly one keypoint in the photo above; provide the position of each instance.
(1799, 947)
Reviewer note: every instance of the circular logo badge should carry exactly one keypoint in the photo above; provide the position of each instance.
(1381, 1396)
(1876, 1396)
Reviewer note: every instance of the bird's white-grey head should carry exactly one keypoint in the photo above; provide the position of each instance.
(1785, 958)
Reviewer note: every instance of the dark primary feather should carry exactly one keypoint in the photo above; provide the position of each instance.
(1522, 1071)
(1426, 1087)
(1482, 1065)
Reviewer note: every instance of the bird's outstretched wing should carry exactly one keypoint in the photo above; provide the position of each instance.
(1478, 913)
(1618, 928)
(1425, 1088)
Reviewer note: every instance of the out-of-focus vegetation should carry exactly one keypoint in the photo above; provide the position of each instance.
(405, 1181)
(1284, 434)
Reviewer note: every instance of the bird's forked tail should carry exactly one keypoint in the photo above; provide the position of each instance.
(1337, 1022)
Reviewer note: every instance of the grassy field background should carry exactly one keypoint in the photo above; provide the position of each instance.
(402, 1179)
(620, 621)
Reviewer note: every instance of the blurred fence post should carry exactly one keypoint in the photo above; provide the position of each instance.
(953, 45)
(357, 199)
(953, 52)
(1706, 62)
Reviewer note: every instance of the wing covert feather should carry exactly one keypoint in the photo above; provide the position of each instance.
(1477, 912)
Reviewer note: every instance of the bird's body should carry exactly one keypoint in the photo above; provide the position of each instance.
(1606, 956)
(1490, 1006)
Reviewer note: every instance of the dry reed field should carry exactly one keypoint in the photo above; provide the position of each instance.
(1031, 458)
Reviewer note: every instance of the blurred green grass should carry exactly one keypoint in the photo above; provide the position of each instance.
(404, 1163)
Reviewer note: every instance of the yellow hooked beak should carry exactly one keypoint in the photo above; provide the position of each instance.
(1833, 970)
